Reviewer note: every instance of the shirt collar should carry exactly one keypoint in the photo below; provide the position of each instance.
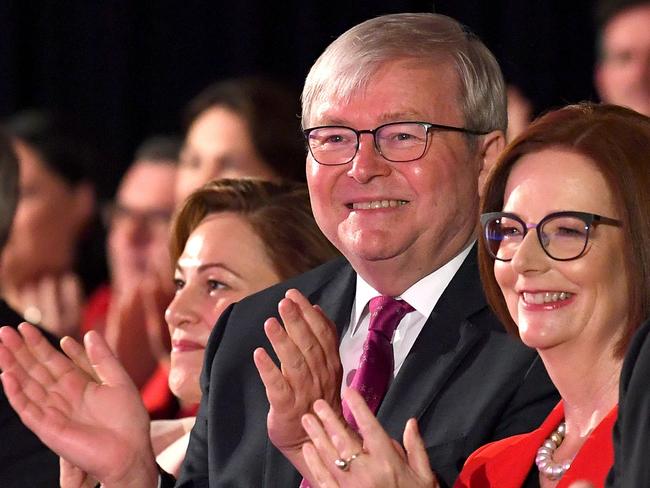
(422, 295)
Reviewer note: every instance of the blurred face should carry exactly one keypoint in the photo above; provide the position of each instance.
(223, 262)
(218, 145)
(564, 304)
(623, 76)
(414, 215)
(138, 233)
(48, 222)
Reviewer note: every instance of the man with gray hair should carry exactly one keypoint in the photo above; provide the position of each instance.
(403, 116)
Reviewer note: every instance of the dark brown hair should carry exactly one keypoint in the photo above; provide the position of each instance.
(279, 213)
(617, 140)
(270, 111)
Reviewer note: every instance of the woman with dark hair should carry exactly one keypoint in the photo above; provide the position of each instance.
(241, 127)
(57, 238)
(230, 239)
(565, 262)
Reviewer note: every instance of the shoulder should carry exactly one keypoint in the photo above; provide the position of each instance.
(488, 452)
(332, 273)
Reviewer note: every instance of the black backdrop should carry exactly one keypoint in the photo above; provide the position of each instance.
(125, 68)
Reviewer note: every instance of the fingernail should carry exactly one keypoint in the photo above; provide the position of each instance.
(319, 406)
(307, 421)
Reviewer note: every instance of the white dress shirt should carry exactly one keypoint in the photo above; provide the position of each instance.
(422, 296)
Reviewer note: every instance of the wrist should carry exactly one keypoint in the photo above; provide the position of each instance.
(143, 473)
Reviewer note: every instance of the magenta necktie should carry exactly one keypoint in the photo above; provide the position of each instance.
(376, 364)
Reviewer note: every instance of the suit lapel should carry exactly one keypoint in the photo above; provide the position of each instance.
(336, 297)
(444, 341)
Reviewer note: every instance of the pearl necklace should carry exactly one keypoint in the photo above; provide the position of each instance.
(544, 459)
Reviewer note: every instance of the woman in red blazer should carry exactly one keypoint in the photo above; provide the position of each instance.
(565, 262)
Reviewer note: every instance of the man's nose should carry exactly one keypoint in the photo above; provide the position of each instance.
(368, 163)
(137, 229)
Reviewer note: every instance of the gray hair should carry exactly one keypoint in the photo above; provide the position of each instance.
(348, 64)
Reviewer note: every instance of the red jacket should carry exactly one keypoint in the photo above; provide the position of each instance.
(507, 463)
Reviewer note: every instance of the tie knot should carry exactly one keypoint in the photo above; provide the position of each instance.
(386, 313)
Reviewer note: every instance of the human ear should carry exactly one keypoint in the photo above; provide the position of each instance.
(490, 147)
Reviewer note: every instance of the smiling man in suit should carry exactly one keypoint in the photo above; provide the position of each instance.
(404, 116)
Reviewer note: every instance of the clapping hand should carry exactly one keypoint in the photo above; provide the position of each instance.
(99, 426)
(336, 459)
(307, 348)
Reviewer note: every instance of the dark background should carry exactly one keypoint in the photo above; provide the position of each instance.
(124, 69)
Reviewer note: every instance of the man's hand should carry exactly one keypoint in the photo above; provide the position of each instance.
(100, 427)
(307, 348)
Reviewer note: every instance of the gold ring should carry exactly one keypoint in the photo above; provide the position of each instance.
(344, 464)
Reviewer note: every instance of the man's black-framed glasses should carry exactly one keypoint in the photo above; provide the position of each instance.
(563, 235)
(399, 142)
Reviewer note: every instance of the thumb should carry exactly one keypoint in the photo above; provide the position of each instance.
(416, 453)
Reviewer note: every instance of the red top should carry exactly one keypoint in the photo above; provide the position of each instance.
(507, 463)
(93, 315)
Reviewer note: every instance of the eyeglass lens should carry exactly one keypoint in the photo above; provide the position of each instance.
(395, 142)
(562, 237)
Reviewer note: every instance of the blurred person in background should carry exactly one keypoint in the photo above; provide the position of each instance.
(24, 459)
(520, 111)
(622, 74)
(241, 127)
(138, 222)
(54, 256)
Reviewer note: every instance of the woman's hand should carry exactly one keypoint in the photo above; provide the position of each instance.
(336, 459)
(100, 427)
